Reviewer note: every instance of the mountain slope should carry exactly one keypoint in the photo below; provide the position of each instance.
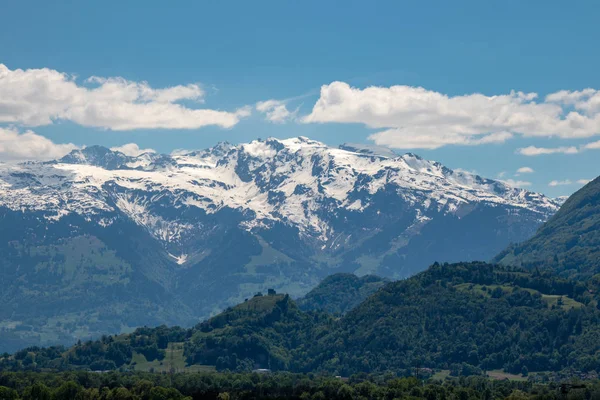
(569, 243)
(468, 316)
(473, 315)
(199, 231)
(69, 280)
(477, 314)
(339, 293)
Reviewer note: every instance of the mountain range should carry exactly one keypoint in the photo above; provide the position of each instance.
(101, 242)
(466, 318)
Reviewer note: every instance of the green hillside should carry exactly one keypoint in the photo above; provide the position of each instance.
(464, 317)
(339, 293)
(473, 315)
(569, 243)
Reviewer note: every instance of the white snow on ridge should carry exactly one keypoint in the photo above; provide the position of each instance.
(283, 180)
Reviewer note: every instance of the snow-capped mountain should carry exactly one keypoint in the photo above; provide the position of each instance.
(297, 182)
(210, 227)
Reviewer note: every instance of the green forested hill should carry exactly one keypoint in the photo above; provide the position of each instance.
(261, 332)
(466, 316)
(569, 243)
(474, 314)
(339, 293)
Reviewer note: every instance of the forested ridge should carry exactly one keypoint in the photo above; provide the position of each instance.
(339, 293)
(466, 317)
(569, 243)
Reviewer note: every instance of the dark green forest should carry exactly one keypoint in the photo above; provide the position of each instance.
(467, 317)
(234, 386)
(339, 293)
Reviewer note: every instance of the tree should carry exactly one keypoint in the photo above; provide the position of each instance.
(345, 392)
(142, 389)
(517, 395)
(39, 391)
(8, 393)
(121, 394)
(67, 391)
(161, 393)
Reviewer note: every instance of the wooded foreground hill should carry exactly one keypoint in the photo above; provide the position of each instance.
(466, 316)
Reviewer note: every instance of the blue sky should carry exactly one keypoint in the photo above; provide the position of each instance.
(240, 53)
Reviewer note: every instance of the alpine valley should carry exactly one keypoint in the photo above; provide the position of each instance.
(100, 242)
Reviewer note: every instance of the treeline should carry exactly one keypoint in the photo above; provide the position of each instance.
(143, 386)
(106, 353)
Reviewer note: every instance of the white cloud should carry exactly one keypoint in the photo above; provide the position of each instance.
(501, 174)
(132, 149)
(536, 151)
(515, 183)
(587, 101)
(414, 117)
(525, 170)
(15, 146)
(37, 97)
(592, 146)
(466, 171)
(569, 182)
(275, 111)
(560, 183)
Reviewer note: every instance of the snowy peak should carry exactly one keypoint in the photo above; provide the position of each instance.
(98, 156)
(298, 182)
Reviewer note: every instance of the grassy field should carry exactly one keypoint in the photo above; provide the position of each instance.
(500, 375)
(174, 360)
(441, 375)
(267, 256)
(495, 374)
(551, 300)
(260, 303)
(567, 302)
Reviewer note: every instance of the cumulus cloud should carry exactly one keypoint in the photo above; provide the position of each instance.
(132, 149)
(592, 146)
(35, 97)
(275, 111)
(16, 146)
(536, 151)
(569, 182)
(525, 170)
(560, 183)
(414, 117)
(516, 183)
(586, 101)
